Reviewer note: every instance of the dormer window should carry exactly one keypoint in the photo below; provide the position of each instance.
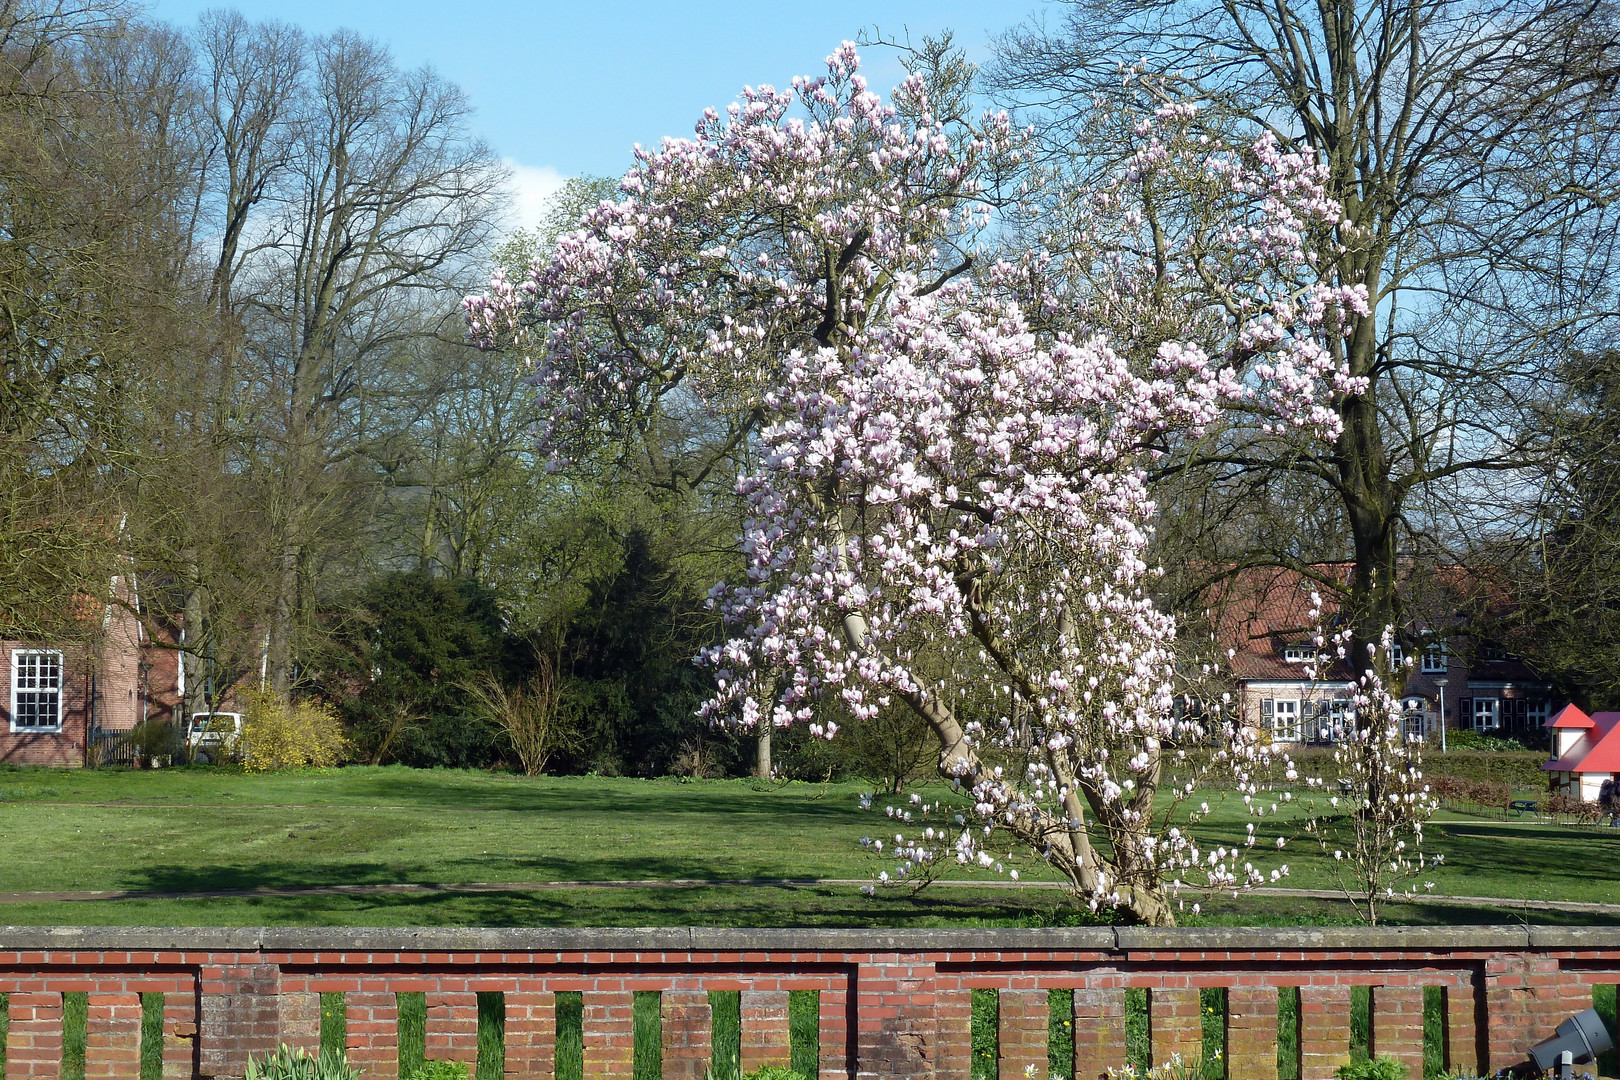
(1298, 654)
(1434, 657)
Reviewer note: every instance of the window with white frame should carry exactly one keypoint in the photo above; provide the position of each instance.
(1535, 714)
(1298, 654)
(1280, 716)
(36, 690)
(1487, 713)
(1327, 719)
(1397, 655)
(1434, 657)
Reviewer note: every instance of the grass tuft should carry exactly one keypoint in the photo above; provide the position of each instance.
(75, 1013)
(1138, 1030)
(151, 1037)
(491, 1036)
(334, 1024)
(1288, 1033)
(570, 1064)
(725, 1019)
(412, 1041)
(1060, 1034)
(648, 1035)
(804, 1033)
(985, 1034)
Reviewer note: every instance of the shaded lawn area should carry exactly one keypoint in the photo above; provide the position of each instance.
(186, 830)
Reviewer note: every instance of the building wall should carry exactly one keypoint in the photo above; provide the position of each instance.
(119, 688)
(49, 748)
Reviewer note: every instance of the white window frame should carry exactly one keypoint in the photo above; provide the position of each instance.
(1298, 654)
(17, 689)
(1435, 658)
(1397, 655)
(1491, 714)
(1273, 713)
(1536, 712)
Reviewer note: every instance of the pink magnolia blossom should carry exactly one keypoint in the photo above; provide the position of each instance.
(949, 508)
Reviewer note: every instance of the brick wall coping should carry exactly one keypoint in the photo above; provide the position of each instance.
(732, 940)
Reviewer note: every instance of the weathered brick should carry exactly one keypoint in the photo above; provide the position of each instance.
(112, 1037)
(1099, 1031)
(372, 1020)
(1324, 1031)
(1177, 1028)
(609, 1030)
(765, 1039)
(687, 1024)
(1251, 1032)
(531, 1035)
(1022, 1034)
(452, 1025)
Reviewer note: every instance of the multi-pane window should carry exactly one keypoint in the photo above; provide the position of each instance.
(1487, 713)
(1280, 716)
(36, 690)
(1434, 656)
(1298, 654)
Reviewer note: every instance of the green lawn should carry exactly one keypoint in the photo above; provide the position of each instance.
(188, 830)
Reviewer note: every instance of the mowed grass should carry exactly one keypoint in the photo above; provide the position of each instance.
(200, 830)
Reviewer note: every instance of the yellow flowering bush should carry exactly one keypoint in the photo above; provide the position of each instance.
(279, 734)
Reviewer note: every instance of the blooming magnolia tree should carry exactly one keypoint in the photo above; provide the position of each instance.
(1370, 825)
(946, 505)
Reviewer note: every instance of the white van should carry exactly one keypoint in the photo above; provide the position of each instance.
(217, 735)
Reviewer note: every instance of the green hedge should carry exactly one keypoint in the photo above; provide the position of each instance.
(1519, 769)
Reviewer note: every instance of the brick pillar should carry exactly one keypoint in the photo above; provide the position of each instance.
(610, 1051)
(688, 1024)
(372, 1018)
(34, 1039)
(1251, 1032)
(953, 1034)
(112, 1037)
(1178, 1030)
(837, 1059)
(452, 1025)
(1516, 992)
(239, 1017)
(1021, 1034)
(180, 1035)
(765, 1038)
(1462, 1029)
(1324, 1031)
(1397, 1025)
(895, 1008)
(531, 1035)
(301, 1020)
(1099, 1031)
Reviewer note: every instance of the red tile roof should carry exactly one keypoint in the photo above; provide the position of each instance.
(1598, 751)
(1570, 716)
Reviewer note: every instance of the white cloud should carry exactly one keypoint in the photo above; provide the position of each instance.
(532, 185)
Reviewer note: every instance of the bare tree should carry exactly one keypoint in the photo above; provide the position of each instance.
(1473, 149)
(384, 202)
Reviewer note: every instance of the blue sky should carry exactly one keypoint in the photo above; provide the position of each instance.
(564, 89)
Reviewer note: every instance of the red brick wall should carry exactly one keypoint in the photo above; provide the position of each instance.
(893, 1004)
(53, 748)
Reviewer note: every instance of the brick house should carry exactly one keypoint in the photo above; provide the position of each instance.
(59, 697)
(1262, 617)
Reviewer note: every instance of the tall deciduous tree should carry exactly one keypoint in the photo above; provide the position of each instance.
(1472, 148)
(928, 467)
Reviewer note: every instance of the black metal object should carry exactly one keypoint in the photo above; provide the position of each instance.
(1582, 1036)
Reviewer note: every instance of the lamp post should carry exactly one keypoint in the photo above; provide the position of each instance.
(1440, 684)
